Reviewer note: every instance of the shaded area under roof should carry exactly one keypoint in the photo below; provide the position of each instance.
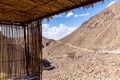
(22, 11)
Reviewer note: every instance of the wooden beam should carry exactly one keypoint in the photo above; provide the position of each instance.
(10, 23)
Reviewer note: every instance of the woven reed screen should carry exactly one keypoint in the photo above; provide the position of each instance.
(20, 51)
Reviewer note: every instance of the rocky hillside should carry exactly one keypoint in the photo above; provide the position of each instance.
(92, 52)
(100, 32)
(46, 42)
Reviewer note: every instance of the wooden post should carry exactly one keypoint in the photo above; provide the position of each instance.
(26, 53)
(41, 50)
(39, 47)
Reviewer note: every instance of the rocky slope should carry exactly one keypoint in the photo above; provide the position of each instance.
(46, 42)
(92, 52)
(100, 32)
(86, 66)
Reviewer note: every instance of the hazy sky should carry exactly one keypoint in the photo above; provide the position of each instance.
(63, 24)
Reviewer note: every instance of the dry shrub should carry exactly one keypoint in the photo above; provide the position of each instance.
(71, 54)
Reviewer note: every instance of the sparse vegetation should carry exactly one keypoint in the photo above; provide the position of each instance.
(71, 54)
(95, 49)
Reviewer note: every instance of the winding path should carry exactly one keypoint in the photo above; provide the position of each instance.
(90, 50)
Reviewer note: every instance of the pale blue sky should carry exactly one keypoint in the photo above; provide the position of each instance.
(63, 24)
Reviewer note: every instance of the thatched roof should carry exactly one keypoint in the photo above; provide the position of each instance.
(22, 11)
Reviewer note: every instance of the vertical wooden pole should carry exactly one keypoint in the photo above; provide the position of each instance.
(32, 41)
(41, 49)
(39, 41)
(26, 53)
(1, 51)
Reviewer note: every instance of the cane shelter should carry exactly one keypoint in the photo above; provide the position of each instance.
(21, 34)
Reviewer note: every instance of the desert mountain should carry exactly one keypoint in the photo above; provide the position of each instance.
(100, 32)
(92, 52)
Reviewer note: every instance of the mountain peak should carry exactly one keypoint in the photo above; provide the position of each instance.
(100, 31)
